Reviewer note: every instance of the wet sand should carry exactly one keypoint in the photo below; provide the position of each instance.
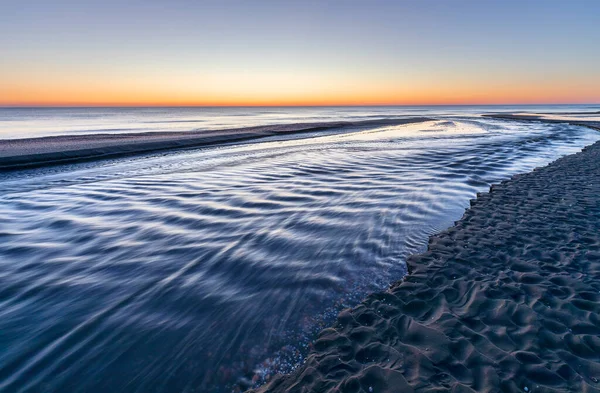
(507, 300)
(542, 117)
(35, 152)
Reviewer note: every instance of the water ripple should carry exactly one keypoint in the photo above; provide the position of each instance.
(211, 268)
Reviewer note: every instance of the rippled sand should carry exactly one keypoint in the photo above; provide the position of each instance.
(38, 152)
(507, 300)
(211, 268)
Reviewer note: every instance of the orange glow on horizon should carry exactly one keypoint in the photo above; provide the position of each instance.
(299, 54)
(277, 86)
(304, 93)
(361, 100)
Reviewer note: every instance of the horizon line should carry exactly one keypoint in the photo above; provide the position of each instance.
(17, 106)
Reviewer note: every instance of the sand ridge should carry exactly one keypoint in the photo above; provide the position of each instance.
(36, 152)
(507, 300)
(540, 118)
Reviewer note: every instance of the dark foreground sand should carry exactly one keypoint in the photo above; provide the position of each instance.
(508, 300)
(34, 152)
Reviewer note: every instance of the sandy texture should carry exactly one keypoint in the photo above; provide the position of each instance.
(31, 152)
(540, 117)
(507, 300)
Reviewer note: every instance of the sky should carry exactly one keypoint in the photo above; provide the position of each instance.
(184, 52)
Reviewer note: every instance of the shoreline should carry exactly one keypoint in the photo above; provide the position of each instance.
(538, 118)
(505, 300)
(25, 153)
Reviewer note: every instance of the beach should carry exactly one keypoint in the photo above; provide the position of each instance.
(506, 300)
(300, 197)
(566, 117)
(215, 267)
(62, 149)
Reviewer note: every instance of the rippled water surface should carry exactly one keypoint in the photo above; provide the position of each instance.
(212, 269)
(36, 122)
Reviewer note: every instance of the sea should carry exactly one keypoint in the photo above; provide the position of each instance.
(213, 269)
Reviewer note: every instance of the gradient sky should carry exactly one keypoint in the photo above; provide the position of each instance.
(184, 52)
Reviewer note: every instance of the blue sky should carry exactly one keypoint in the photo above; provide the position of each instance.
(299, 52)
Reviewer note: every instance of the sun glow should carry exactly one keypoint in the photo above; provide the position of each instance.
(297, 53)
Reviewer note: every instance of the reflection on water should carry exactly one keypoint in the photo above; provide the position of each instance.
(212, 269)
(36, 122)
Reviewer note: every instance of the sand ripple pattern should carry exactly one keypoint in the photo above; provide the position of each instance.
(211, 269)
(508, 300)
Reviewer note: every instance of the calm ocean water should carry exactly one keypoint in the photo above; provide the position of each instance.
(34, 122)
(211, 269)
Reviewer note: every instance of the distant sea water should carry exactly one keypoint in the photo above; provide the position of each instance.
(212, 269)
(36, 122)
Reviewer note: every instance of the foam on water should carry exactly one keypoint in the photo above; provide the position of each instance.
(210, 268)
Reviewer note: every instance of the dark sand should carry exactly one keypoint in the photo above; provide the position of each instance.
(508, 300)
(540, 117)
(34, 152)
